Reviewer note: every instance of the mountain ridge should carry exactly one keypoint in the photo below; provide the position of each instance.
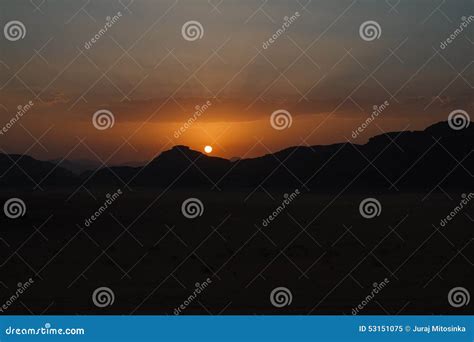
(407, 159)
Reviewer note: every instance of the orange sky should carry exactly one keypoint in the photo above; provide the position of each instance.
(151, 79)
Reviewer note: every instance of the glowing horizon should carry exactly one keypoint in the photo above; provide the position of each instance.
(150, 84)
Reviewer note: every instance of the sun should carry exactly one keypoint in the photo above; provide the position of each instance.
(208, 149)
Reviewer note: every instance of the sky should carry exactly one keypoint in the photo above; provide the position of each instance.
(150, 75)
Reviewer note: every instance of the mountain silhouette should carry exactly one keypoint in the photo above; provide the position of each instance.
(77, 166)
(24, 171)
(410, 160)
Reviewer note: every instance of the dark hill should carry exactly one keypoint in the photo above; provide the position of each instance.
(23, 171)
(409, 161)
(398, 160)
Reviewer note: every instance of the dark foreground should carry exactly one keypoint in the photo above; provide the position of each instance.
(152, 257)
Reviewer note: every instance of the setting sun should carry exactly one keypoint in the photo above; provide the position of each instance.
(208, 149)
